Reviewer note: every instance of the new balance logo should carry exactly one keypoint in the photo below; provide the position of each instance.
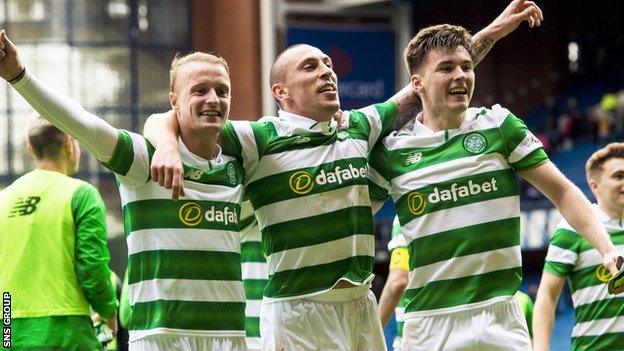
(301, 140)
(413, 158)
(24, 206)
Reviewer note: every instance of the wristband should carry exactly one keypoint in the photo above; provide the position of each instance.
(19, 76)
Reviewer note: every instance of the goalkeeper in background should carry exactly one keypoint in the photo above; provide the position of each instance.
(53, 254)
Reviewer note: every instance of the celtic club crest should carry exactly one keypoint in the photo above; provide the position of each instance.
(475, 143)
(231, 173)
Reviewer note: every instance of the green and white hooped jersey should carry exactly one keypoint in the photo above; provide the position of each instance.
(398, 240)
(456, 196)
(184, 263)
(599, 315)
(255, 274)
(308, 184)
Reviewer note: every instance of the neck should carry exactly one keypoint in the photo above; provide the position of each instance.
(319, 117)
(614, 212)
(60, 166)
(201, 143)
(436, 120)
(323, 118)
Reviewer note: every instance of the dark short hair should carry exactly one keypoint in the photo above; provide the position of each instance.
(439, 37)
(45, 139)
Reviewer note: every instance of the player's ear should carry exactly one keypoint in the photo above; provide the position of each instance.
(593, 184)
(417, 83)
(173, 101)
(280, 91)
(30, 150)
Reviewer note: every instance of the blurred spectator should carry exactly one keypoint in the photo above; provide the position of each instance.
(601, 121)
(618, 116)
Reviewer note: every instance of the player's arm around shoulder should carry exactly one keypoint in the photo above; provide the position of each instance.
(91, 252)
(162, 131)
(574, 207)
(378, 176)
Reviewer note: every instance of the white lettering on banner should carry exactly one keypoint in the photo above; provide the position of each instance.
(362, 90)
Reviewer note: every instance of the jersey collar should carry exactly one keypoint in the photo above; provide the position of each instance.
(605, 218)
(419, 128)
(308, 123)
(191, 159)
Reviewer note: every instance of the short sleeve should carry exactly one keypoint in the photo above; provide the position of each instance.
(238, 140)
(562, 252)
(377, 119)
(378, 175)
(131, 159)
(524, 150)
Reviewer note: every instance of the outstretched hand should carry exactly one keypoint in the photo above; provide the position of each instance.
(10, 63)
(517, 12)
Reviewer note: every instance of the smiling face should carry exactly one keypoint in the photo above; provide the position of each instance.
(201, 97)
(608, 185)
(305, 83)
(445, 81)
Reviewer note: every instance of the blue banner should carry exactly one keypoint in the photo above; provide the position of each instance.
(363, 60)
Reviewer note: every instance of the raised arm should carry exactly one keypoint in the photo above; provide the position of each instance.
(162, 131)
(544, 311)
(574, 207)
(97, 136)
(514, 14)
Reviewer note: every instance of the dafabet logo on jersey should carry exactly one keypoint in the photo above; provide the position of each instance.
(417, 202)
(191, 214)
(603, 274)
(303, 182)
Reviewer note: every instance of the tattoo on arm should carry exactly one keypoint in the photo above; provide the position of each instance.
(481, 47)
(407, 113)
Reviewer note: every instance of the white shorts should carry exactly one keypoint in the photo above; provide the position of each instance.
(500, 326)
(173, 342)
(396, 344)
(339, 320)
(253, 344)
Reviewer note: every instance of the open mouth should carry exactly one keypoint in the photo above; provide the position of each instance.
(209, 113)
(458, 91)
(328, 87)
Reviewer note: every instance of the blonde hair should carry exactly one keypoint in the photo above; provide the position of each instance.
(180, 60)
(439, 37)
(593, 166)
